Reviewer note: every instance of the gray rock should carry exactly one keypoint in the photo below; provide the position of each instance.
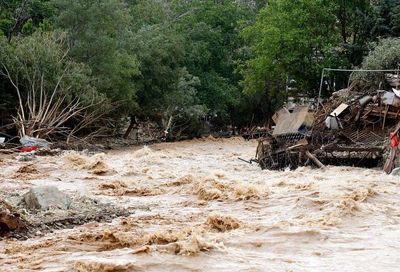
(395, 172)
(31, 141)
(45, 197)
(23, 157)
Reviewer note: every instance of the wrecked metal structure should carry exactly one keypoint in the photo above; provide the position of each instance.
(351, 128)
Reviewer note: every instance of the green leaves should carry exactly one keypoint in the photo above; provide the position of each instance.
(289, 40)
(385, 55)
(24, 17)
(211, 31)
(149, 56)
(98, 33)
(41, 60)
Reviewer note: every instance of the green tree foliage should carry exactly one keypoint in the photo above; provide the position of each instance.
(42, 57)
(200, 37)
(52, 89)
(24, 16)
(386, 19)
(167, 92)
(99, 36)
(160, 54)
(211, 29)
(294, 40)
(361, 22)
(182, 109)
(291, 39)
(177, 62)
(384, 55)
(355, 25)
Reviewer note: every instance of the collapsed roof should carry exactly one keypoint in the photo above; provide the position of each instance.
(350, 128)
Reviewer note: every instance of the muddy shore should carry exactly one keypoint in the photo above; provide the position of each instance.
(193, 206)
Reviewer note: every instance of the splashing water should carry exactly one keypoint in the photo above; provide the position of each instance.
(196, 207)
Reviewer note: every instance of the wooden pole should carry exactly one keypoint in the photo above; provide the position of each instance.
(131, 126)
(314, 159)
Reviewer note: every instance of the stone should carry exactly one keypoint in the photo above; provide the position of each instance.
(395, 172)
(24, 157)
(32, 141)
(45, 197)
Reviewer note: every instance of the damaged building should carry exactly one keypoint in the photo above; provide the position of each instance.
(354, 127)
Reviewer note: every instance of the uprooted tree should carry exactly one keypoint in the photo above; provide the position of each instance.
(54, 93)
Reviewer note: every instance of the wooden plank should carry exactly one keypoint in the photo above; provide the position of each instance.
(314, 159)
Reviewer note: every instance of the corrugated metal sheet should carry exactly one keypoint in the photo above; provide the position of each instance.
(291, 123)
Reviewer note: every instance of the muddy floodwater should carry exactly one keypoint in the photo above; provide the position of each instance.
(193, 206)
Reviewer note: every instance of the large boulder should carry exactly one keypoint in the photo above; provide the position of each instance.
(45, 197)
(10, 219)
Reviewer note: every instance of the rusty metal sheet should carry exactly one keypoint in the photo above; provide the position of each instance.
(365, 137)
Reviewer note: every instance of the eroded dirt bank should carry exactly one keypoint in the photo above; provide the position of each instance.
(195, 207)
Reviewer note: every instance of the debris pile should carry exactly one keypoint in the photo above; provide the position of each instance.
(353, 128)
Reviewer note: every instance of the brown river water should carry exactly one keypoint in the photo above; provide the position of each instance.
(196, 207)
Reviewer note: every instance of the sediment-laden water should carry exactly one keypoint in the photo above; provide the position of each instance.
(196, 207)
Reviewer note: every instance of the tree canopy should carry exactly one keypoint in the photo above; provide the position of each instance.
(180, 62)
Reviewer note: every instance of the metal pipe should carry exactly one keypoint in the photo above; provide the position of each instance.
(320, 88)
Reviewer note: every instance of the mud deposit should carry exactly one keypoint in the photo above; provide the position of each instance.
(193, 206)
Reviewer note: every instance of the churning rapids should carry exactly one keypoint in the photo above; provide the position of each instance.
(195, 207)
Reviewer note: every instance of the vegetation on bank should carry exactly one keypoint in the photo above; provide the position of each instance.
(71, 67)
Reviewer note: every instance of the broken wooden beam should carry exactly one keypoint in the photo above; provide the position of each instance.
(382, 113)
(314, 159)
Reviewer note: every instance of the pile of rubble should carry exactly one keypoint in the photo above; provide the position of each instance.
(353, 127)
(45, 208)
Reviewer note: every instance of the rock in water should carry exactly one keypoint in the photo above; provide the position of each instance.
(45, 197)
(31, 141)
(10, 219)
(395, 172)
